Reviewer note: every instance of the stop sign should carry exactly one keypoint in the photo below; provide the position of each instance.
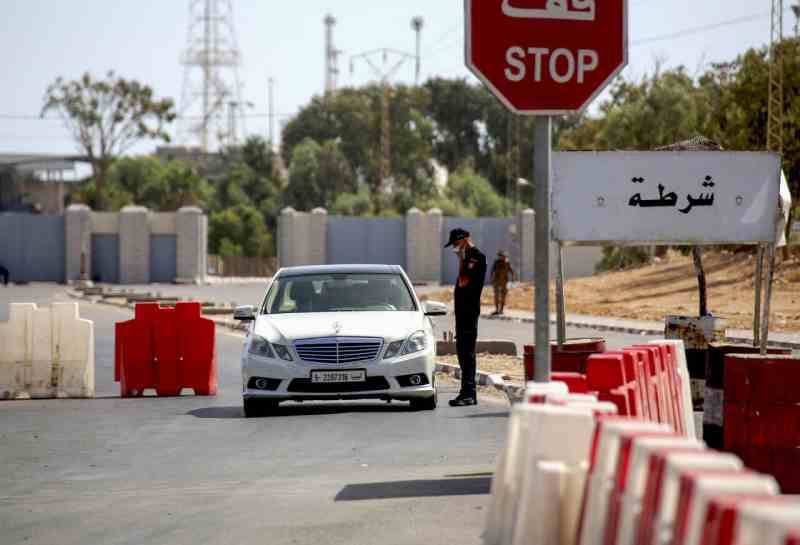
(546, 57)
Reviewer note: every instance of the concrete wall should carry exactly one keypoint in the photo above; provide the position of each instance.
(147, 246)
(415, 242)
(32, 247)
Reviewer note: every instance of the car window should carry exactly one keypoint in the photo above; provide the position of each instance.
(339, 293)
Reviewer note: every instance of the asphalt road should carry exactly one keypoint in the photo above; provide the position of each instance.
(193, 470)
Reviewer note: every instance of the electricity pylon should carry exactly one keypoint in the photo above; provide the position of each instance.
(775, 108)
(211, 75)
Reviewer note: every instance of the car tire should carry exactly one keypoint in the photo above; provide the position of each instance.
(426, 403)
(257, 408)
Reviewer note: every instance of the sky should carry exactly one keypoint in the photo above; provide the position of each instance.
(144, 39)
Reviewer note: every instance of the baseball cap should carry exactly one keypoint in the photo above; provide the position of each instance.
(455, 236)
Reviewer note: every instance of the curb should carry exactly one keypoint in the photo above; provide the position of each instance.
(633, 330)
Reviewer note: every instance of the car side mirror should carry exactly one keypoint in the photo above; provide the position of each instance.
(245, 313)
(434, 308)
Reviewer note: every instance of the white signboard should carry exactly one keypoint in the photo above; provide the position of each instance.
(666, 197)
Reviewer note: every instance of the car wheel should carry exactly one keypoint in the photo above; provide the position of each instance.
(255, 408)
(426, 403)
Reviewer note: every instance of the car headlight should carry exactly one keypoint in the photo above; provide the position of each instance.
(283, 352)
(417, 342)
(260, 347)
(393, 350)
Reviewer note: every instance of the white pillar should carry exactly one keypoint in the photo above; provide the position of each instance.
(78, 239)
(134, 245)
(192, 255)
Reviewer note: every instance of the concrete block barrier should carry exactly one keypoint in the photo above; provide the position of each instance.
(488, 346)
(46, 353)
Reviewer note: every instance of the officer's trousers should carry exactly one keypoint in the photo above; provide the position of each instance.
(466, 339)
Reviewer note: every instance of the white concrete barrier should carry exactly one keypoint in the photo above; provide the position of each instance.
(631, 480)
(537, 392)
(766, 523)
(685, 386)
(46, 353)
(697, 490)
(558, 449)
(601, 473)
(662, 490)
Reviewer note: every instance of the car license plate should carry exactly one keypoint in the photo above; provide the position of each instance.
(326, 377)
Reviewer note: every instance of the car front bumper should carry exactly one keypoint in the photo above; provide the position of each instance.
(383, 379)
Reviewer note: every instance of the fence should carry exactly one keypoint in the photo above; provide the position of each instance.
(415, 242)
(241, 266)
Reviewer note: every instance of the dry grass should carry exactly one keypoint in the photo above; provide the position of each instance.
(670, 287)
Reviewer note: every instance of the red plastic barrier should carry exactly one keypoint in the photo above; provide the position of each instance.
(644, 384)
(627, 441)
(569, 357)
(166, 349)
(659, 379)
(576, 382)
(605, 374)
(651, 505)
(723, 513)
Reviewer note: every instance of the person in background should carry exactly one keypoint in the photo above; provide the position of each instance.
(469, 286)
(502, 274)
(4, 275)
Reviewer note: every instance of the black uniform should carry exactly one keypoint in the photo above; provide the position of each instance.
(4, 275)
(471, 278)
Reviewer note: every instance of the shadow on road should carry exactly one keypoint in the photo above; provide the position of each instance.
(416, 489)
(305, 409)
(503, 414)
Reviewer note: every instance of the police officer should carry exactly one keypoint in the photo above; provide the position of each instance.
(502, 273)
(469, 286)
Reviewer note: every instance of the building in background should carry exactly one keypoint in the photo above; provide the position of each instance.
(36, 182)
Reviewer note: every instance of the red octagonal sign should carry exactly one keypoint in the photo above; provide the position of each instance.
(546, 57)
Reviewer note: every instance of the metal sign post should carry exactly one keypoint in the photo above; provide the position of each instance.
(541, 271)
(545, 61)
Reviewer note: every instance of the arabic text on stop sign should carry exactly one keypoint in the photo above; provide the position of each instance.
(562, 65)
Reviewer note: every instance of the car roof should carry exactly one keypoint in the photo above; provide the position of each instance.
(340, 269)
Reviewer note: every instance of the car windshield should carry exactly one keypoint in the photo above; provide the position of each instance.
(339, 293)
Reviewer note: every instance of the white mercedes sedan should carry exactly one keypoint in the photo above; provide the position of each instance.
(337, 332)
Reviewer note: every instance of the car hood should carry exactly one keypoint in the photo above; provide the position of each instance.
(291, 327)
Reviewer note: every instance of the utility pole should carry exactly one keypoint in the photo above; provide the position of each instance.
(416, 25)
(271, 100)
(384, 72)
(796, 11)
(212, 54)
(775, 109)
(331, 56)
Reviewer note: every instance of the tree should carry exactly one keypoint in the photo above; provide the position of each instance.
(318, 174)
(107, 117)
(147, 181)
(474, 192)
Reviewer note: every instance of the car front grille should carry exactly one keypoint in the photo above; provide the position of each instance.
(305, 386)
(338, 350)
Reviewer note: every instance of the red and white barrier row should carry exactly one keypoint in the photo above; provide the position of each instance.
(576, 471)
